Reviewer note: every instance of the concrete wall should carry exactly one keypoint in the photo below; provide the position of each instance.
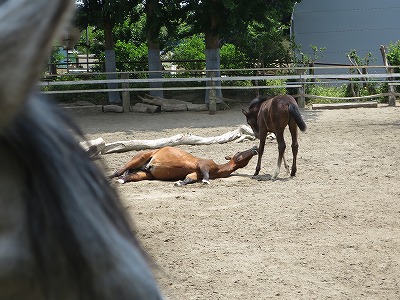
(343, 25)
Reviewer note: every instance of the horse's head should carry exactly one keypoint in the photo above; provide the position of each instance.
(251, 118)
(252, 114)
(241, 159)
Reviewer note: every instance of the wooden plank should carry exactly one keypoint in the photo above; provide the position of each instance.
(370, 104)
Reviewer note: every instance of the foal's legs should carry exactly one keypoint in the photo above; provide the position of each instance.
(260, 152)
(281, 149)
(295, 147)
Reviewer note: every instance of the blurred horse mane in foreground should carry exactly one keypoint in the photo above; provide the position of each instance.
(63, 234)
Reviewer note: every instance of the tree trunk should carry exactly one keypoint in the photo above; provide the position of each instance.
(113, 96)
(213, 62)
(155, 67)
(153, 46)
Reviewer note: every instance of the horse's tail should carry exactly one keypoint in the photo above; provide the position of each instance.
(295, 113)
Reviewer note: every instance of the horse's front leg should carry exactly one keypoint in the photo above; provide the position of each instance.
(281, 149)
(190, 178)
(260, 152)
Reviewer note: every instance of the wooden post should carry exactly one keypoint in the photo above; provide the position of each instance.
(212, 108)
(392, 98)
(301, 90)
(126, 99)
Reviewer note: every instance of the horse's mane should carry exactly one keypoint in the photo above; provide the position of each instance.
(82, 242)
(257, 101)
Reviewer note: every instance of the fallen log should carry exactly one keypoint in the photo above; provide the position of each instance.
(93, 147)
(240, 134)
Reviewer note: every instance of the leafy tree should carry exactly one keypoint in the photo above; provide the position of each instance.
(190, 53)
(232, 57)
(129, 55)
(393, 54)
(230, 20)
(162, 18)
(105, 14)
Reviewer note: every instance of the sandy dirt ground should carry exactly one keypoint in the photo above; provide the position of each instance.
(331, 232)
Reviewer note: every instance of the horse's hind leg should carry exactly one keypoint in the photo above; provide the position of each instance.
(281, 149)
(136, 162)
(285, 164)
(295, 146)
(135, 176)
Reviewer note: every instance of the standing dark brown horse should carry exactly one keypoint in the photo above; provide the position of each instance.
(268, 114)
(171, 163)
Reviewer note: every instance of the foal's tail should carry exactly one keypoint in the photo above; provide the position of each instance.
(295, 113)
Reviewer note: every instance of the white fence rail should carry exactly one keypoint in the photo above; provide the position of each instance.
(298, 81)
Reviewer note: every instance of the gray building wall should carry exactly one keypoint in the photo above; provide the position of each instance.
(343, 25)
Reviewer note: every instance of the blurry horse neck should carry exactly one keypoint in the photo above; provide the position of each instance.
(63, 233)
(28, 29)
(74, 241)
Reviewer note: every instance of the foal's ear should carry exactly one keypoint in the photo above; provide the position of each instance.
(245, 112)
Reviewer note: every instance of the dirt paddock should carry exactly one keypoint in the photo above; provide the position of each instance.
(331, 232)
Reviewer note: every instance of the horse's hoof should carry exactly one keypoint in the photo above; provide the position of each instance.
(178, 183)
(120, 181)
(205, 181)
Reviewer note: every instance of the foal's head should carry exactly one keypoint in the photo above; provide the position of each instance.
(251, 115)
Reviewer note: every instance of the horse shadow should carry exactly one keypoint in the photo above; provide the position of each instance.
(268, 177)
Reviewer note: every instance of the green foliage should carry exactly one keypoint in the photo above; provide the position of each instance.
(306, 59)
(190, 53)
(232, 58)
(366, 61)
(130, 56)
(192, 48)
(56, 55)
(339, 92)
(266, 43)
(393, 55)
(355, 89)
(276, 90)
(325, 90)
(95, 12)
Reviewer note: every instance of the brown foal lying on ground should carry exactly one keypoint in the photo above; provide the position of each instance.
(170, 163)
